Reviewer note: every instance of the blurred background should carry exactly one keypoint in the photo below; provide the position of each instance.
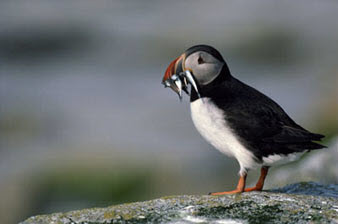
(85, 121)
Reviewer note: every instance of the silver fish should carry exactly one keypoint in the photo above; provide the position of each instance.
(192, 82)
(180, 82)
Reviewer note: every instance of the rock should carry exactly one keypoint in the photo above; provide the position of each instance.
(310, 188)
(311, 203)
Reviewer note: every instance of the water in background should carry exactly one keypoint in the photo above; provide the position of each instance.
(85, 121)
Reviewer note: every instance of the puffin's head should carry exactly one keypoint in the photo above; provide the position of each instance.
(199, 66)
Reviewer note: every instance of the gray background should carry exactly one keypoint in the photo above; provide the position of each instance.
(85, 121)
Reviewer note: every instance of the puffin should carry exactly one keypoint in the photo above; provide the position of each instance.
(235, 118)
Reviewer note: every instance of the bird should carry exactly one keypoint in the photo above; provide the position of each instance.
(235, 118)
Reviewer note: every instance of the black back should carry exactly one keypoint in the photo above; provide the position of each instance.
(260, 123)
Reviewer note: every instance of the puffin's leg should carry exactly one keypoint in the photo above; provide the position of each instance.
(260, 182)
(240, 187)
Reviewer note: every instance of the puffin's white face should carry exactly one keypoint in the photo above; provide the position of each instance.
(203, 66)
(198, 66)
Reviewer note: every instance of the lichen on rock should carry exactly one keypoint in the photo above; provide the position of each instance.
(275, 206)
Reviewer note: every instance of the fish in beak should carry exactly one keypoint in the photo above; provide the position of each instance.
(177, 77)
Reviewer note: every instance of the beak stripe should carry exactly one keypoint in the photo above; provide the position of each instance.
(170, 70)
(180, 59)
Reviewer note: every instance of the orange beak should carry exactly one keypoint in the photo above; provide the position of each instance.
(172, 79)
(177, 77)
(172, 68)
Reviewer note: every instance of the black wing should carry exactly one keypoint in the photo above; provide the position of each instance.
(261, 123)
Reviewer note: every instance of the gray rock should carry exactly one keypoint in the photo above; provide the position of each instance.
(310, 188)
(311, 203)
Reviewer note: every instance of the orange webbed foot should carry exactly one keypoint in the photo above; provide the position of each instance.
(226, 192)
(253, 189)
(241, 184)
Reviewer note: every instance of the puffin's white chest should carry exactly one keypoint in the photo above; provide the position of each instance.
(209, 121)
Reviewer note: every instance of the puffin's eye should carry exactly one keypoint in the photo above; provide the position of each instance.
(200, 60)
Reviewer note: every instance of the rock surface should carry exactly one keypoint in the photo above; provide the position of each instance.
(297, 203)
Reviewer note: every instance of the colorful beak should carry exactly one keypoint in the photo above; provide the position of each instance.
(171, 68)
(171, 76)
(177, 78)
